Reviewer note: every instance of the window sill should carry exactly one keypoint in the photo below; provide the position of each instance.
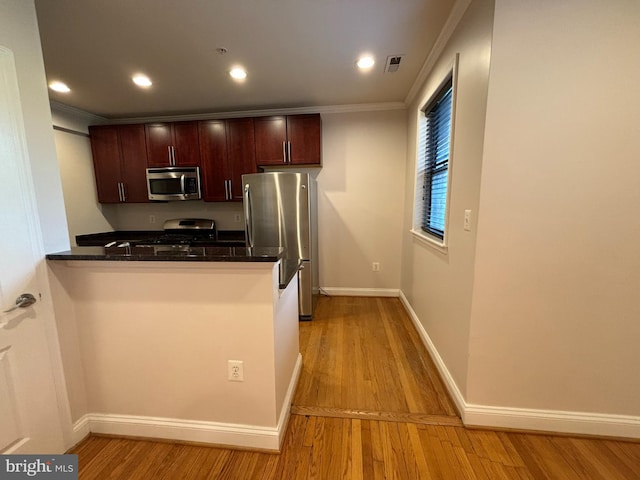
(430, 242)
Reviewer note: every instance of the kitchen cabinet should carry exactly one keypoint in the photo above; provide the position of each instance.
(120, 162)
(173, 144)
(288, 140)
(227, 151)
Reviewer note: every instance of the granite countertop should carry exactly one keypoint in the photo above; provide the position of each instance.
(231, 238)
(182, 253)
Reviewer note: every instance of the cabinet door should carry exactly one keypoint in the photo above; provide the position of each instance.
(213, 155)
(106, 162)
(241, 153)
(133, 163)
(159, 138)
(185, 143)
(270, 138)
(303, 132)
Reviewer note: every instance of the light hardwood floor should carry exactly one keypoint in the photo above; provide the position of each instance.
(364, 355)
(364, 413)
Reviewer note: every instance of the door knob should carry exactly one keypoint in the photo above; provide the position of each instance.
(23, 301)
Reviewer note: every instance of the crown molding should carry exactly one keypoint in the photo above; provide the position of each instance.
(364, 107)
(88, 117)
(457, 12)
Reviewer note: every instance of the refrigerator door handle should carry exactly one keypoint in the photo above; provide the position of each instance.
(247, 215)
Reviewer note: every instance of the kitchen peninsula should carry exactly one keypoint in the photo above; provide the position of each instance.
(161, 330)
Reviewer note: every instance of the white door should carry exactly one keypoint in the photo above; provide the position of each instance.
(30, 418)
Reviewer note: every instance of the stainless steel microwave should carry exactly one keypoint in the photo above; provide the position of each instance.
(174, 183)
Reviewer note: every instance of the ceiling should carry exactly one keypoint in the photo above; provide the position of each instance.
(298, 53)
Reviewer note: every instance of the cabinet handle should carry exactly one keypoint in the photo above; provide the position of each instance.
(230, 190)
(123, 197)
(173, 155)
(169, 154)
(284, 152)
(289, 152)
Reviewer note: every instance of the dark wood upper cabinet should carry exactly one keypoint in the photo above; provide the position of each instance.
(227, 151)
(288, 140)
(172, 144)
(271, 138)
(134, 163)
(241, 153)
(120, 162)
(303, 132)
(213, 155)
(224, 149)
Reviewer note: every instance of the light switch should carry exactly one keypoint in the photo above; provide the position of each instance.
(467, 220)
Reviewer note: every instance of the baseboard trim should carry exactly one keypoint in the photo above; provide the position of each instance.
(548, 421)
(216, 433)
(285, 413)
(202, 432)
(360, 292)
(558, 421)
(447, 378)
(80, 430)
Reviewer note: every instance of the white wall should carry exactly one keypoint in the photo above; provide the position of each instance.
(439, 285)
(136, 216)
(84, 213)
(360, 199)
(19, 33)
(555, 303)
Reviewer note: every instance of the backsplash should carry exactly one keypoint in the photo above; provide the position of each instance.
(140, 216)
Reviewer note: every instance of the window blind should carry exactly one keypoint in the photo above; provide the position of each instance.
(437, 136)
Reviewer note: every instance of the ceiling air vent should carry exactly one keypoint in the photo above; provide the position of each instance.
(393, 63)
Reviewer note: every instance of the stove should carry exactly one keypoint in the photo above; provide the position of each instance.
(185, 231)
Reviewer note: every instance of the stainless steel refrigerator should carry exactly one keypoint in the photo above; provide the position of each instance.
(280, 210)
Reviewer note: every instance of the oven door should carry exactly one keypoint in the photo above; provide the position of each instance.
(173, 183)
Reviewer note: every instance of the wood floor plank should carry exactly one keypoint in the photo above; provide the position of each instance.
(418, 452)
(624, 456)
(596, 464)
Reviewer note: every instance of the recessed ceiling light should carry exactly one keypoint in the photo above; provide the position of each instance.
(366, 62)
(238, 73)
(141, 80)
(59, 87)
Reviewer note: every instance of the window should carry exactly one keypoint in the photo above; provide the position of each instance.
(433, 163)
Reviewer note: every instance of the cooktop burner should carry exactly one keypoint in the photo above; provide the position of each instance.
(186, 231)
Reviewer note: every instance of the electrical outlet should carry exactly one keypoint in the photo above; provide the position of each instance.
(467, 220)
(375, 267)
(152, 219)
(237, 218)
(236, 370)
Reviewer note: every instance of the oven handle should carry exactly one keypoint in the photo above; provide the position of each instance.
(247, 215)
